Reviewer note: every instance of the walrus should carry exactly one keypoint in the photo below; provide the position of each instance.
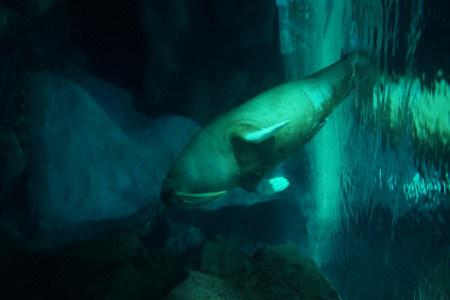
(241, 146)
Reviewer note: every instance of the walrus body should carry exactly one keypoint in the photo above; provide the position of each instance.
(241, 146)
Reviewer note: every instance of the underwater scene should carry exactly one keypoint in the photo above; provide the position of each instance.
(225, 149)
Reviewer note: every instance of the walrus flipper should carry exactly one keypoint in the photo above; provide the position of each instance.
(272, 186)
(265, 133)
(265, 187)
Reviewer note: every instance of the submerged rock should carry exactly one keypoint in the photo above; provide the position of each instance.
(221, 271)
(37, 7)
(121, 268)
(92, 170)
(13, 158)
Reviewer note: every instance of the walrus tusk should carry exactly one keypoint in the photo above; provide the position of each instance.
(214, 196)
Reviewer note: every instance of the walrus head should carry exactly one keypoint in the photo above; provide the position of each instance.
(202, 172)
